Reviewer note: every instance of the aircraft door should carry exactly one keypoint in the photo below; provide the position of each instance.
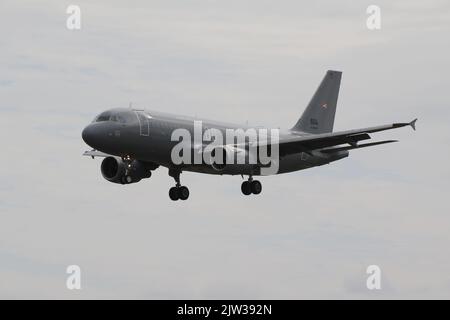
(144, 122)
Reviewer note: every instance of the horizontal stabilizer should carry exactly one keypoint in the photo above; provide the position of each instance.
(413, 124)
(331, 150)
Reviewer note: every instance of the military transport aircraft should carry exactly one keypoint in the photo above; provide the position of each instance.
(136, 142)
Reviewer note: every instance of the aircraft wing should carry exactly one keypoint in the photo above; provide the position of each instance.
(95, 153)
(306, 143)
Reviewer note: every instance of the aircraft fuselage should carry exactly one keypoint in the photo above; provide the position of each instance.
(147, 136)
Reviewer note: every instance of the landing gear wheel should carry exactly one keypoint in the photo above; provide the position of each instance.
(123, 180)
(178, 192)
(128, 179)
(246, 188)
(174, 194)
(183, 193)
(256, 187)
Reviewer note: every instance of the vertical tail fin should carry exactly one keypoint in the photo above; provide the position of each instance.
(318, 116)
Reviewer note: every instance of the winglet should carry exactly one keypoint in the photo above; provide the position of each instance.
(413, 124)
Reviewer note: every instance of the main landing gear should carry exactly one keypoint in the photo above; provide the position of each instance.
(178, 192)
(251, 186)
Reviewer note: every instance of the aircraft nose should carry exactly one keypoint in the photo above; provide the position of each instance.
(88, 135)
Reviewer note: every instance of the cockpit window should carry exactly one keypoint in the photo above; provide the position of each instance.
(126, 117)
(103, 117)
(108, 116)
(117, 118)
(120, 117)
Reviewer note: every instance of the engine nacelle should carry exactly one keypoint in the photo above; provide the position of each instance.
(115, 170)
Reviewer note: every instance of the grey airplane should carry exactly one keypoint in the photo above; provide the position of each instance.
(135, 142)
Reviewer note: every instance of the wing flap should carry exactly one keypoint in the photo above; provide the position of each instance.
(331, 150)
(314, 144)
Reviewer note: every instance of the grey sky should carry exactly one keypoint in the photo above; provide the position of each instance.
(311, 234)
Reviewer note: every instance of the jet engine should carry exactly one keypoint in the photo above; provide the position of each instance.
(115, 170)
